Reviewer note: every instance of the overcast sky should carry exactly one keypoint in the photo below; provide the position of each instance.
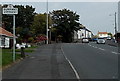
(94, 15)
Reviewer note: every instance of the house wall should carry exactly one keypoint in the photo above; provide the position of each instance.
(4, 42)
(82, 34)
(103, 35)
(75, 35)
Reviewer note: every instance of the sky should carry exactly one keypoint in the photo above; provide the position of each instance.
(96, 16)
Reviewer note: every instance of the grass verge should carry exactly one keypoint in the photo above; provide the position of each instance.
(7, 57)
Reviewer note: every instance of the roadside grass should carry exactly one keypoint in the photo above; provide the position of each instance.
(7, 55)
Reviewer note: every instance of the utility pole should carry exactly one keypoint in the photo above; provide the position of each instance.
(115, 24)
(47, 24)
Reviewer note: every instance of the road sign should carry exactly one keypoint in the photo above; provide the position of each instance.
(10, 10)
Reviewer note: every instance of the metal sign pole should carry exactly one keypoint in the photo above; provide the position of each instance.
(14, 40)
(10, 10)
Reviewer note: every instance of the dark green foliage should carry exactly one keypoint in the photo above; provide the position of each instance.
(65, 23)
(24, 19)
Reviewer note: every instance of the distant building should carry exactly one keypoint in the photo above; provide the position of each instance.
(102, 34)
(82, 33)
(6, 38)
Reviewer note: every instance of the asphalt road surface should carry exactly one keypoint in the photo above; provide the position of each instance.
(47, 62)
(84, 61)
(92, 61)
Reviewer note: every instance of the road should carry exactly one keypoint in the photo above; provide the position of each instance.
(47, 62)
(68, 61)
(92, 61)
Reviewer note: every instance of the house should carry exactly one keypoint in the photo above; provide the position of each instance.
(82, 33)
(5, 38)
(102, 34)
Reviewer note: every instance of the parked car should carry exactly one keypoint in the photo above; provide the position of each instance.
(109, 38)
(100, 41)
(85, 40)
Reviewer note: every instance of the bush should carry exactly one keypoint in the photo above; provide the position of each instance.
(30, 39)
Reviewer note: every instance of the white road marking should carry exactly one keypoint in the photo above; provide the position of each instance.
(32, 57)
(89, 45)
(101, 49)
(96, 47)
(76, 73)
(114, 52)
(93, 46)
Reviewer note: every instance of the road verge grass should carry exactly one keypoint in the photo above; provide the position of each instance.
(7, 55)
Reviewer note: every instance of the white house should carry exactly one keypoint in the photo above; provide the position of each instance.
(82, 33)
(102, 34)
(5, 38)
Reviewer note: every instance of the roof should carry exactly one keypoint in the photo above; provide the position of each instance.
(102, 33)
(86, 29)
(5, 32)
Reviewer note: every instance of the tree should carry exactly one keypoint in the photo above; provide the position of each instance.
(39, 24)
(110, 34)
(24, 19)
(65, 23)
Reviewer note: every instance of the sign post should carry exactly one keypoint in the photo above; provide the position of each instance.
(10, 10)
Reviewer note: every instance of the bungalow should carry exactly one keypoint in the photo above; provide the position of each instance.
(5, 38)
(102, 34)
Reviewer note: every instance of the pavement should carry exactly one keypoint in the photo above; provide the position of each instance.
(110, 42)
(47, 62)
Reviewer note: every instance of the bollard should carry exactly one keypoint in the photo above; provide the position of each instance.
(22, 52)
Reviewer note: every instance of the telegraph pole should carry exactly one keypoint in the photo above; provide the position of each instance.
(115, 24)
(47, 24)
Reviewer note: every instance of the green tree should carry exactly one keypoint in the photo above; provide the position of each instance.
(39, 24)
(110, 34)
(65, 23)
(24, 19)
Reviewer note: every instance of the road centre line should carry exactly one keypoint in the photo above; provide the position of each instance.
(114, 52)
(96, 47)
(76, 73)
(104, 49)
(101, 49)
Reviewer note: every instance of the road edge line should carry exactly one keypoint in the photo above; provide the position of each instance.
(71, 65)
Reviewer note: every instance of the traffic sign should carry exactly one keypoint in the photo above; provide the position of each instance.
(10, 10)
